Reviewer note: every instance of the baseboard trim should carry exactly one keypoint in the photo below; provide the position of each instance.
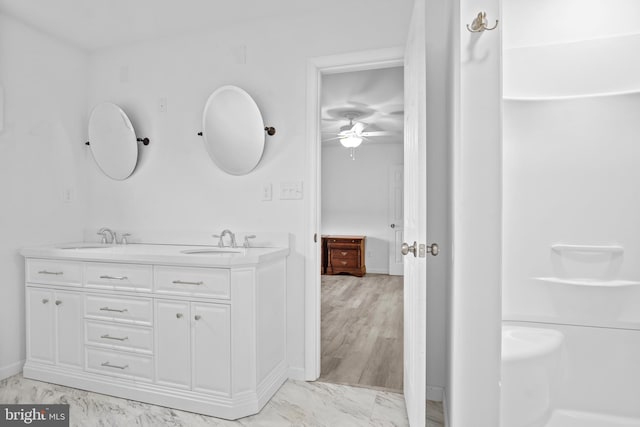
(297, 374)
(435, 393)
(11, 370)
(377, 271)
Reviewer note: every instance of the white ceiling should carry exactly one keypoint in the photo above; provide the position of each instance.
(376, 96)
(95, 24)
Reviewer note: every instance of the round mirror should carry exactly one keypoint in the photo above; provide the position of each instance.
(233, 130)
(113, 141)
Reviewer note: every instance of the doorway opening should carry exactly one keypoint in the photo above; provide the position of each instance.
(361, 175)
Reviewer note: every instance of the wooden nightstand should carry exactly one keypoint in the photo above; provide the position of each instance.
(344, 254)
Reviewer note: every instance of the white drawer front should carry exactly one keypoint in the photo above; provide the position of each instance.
(204, 282)
(54, 272)
(118, 336)
(127, 277)
(119, 364)
(121, 309)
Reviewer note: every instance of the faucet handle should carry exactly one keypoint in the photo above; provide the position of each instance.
(220, 242)
(123, 238)
(246, 240)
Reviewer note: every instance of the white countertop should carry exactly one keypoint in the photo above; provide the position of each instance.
(212, 256)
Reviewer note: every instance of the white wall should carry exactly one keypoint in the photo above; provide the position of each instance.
(566, 20)
(355, 196)
(177, 187)
(45, 85)
(474, 328)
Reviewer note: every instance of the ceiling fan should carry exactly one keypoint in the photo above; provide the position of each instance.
(352, 134)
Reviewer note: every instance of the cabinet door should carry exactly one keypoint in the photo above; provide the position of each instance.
(40, 325)
(211, 348)
(173, 364)
(69, 337)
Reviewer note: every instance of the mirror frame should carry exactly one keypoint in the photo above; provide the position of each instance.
(102, 147)
(249, 129)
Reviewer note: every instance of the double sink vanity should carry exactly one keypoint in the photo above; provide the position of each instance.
(198, 328)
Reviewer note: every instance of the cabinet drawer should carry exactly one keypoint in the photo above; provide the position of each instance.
(205, 282)
(130, 310)
(344, 254)
(53, 272)
(344, 263)
(123, 337)
(119, 364)
(127, 277)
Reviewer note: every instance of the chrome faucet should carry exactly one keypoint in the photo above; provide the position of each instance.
(221, 237)
(104, 232)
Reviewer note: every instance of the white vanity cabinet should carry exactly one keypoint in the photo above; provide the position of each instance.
(202, 334)
(193, 346)
(54, 327)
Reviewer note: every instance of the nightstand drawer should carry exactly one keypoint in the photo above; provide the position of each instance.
(344, 254)
(53, 272)
(122, 337)
(344, 263)
(120, 309)
(203, 282)
(119, 364)
(124, 277)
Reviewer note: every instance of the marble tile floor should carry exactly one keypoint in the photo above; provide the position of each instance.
(297, 403)
(435, 414)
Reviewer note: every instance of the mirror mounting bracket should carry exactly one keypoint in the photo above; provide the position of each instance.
(145, 141)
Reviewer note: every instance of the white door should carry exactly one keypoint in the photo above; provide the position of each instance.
(211, 348)
(40, 325)
(69, 328)
(415, 219)
(396, 220)
(173, 348)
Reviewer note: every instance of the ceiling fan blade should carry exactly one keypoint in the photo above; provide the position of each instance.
(379, 133)
(358, 128)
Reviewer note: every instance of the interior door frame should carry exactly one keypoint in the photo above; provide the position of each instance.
(316, 68)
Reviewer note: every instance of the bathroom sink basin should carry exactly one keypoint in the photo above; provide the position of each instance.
(211, 251)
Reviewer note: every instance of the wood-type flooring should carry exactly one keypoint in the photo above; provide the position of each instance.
(362, 331)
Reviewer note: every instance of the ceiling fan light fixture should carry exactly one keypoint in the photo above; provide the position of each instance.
(351, 141)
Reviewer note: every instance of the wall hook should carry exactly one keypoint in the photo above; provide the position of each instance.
(479, 24)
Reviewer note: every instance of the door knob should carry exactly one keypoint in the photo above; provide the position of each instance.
(433, 249)
(405, 249)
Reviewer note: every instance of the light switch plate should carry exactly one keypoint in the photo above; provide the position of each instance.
(266, 192)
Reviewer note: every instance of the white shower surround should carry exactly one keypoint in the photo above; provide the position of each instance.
(571, 209)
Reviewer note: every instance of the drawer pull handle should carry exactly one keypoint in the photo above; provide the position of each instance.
(109, 337)
(344, 253)
(58, 302)
(197, 317)
(179, 315)
(114, 277)
(109, 365)
(182, 282)
(344, 262)
(124, 310)
(45, 300)
(55, 273)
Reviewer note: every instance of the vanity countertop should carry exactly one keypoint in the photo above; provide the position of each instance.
(190, 255)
